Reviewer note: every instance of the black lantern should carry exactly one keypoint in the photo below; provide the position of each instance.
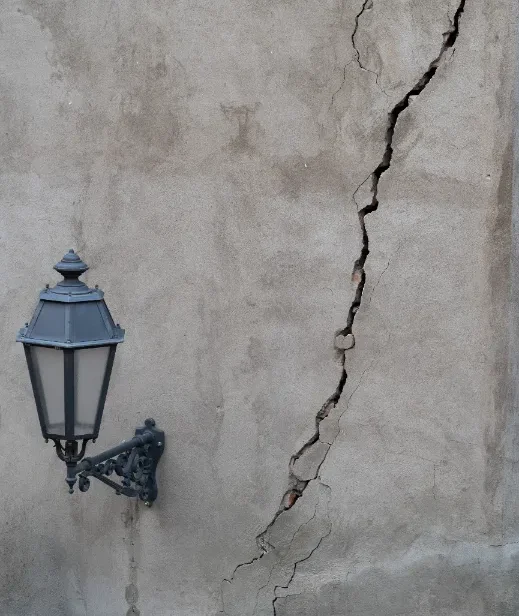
(70, 346)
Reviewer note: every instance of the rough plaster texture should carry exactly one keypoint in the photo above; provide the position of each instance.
(340, 424)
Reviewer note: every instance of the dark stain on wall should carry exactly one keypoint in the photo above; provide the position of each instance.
(242, 116)
(131, 523)
(499, 242)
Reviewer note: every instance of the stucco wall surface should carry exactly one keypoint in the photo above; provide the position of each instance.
(301, 212)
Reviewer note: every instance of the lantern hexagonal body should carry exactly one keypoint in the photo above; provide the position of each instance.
(70, 346)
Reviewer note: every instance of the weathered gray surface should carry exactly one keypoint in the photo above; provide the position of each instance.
(208, 160)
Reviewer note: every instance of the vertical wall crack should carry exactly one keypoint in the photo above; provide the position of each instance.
(297, 485)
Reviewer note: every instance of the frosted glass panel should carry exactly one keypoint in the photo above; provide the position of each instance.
(49, 366)
(90, 367)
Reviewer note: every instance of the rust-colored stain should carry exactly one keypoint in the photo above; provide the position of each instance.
(291, 499)
(356, 276)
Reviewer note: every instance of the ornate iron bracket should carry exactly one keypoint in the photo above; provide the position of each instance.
(134, 460)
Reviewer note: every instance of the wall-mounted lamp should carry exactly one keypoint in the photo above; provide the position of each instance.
(70, 346)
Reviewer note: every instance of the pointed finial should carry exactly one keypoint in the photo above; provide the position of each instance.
(71, 265)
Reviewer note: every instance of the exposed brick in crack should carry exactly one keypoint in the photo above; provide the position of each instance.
(296, 485)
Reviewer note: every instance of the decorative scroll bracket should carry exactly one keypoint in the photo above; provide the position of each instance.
(135, 461)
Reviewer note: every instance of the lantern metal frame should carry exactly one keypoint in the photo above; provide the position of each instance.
(70, 317)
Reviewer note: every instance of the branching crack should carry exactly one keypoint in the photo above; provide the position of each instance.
(297, 485)
(449, 38)
(274, 565)
(294, 570)
(366, 6)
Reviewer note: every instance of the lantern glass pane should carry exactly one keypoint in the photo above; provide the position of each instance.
(49, 367)
(89, 367)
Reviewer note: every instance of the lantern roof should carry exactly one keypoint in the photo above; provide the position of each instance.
(71, 314)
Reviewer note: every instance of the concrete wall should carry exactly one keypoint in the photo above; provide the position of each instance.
(257, 186)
